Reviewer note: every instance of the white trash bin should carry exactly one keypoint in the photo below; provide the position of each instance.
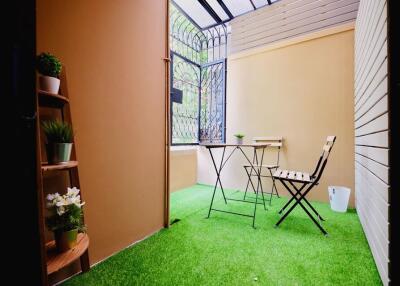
(339, 198)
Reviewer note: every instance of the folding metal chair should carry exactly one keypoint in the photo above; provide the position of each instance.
(276, 142)
(305, 183)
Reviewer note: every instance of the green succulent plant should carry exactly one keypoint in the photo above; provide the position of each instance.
(48, 65)
(57, 131)
(239, 135)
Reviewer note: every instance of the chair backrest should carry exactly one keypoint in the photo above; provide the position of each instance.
(323, 159)
(274, 141)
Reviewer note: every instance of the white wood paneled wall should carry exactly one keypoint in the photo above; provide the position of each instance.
(288, 19)
(371, 129)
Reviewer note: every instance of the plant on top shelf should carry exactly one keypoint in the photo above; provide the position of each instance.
(239, 138)
(59, 137)
(50, 68)
(65, 218)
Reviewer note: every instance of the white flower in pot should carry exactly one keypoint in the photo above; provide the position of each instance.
(65, 218)
(239, 138)
(50, 68)
(59, 136)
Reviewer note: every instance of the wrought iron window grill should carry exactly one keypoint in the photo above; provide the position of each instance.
(198, 80)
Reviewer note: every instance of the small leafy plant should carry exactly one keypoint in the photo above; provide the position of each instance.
(48, 65)
(65, 211)
(57, 131)
(239, 135)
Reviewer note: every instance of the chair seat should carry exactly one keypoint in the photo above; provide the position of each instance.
(262, 166)
(295, 176)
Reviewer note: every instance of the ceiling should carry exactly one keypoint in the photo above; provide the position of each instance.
(208, 13)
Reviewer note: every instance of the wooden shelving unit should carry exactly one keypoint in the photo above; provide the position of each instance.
(47, 99)
(66, 166)
(55, 261)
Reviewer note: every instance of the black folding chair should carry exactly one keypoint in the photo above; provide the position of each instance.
(305, 183)
(276, 143)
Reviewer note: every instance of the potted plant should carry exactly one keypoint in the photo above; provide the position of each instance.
(239, 138)
(50, 68)
(59, 136)
(65, 218)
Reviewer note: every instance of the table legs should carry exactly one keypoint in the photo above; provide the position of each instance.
(256, 190)
(218, 171)
(249, 175)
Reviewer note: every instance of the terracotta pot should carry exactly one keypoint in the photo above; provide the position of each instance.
(49, 84)
(66, 240)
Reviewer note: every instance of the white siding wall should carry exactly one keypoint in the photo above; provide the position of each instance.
(371, 128)
(287, 19)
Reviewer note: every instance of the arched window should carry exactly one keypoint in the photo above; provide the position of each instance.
(198, 69)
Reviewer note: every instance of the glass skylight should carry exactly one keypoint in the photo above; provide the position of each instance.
(238, 7)
(195, 11)
(218, 9)
(201, 13)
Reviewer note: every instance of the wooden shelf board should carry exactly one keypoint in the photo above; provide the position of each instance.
(68, 165)
(48, 99)
(56, 260)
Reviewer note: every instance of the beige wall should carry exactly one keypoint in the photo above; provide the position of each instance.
(302, 91)
(114, 51)
(183, 167)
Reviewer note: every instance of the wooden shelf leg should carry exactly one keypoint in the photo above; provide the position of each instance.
(85, 265)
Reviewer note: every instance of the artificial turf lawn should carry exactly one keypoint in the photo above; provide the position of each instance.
(226, 250)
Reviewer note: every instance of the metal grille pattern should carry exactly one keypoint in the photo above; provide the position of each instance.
(198, 73)
(185, 115)
(184, 36)
(212, 111)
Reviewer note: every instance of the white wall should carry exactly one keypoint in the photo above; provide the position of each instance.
(287, 19)
(371, 129)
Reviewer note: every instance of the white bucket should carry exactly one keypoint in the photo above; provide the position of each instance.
(339, 198)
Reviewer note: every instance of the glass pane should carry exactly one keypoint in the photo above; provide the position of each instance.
(238, 7)
(218, 9)
(195, 11)
(260, 3)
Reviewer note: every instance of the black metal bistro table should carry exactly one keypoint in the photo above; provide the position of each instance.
(255, 164)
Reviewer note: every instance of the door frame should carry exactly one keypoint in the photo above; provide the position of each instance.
(167, 61)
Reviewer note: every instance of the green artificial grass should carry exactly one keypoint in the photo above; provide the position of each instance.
(226, 250)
